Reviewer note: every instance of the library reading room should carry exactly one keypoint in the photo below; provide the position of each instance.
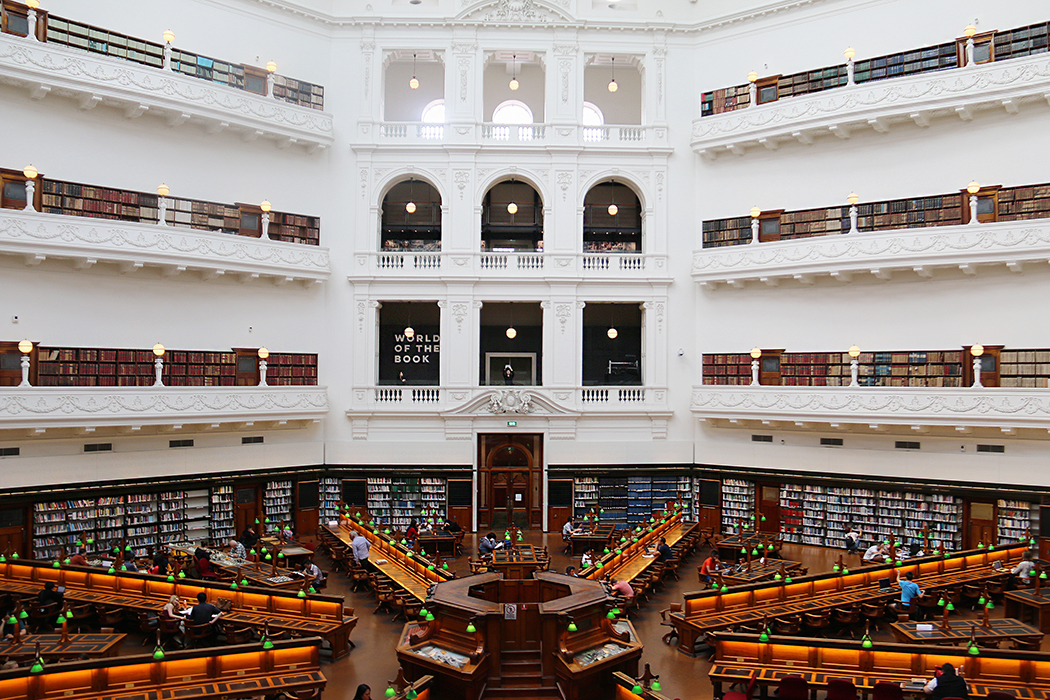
(531, 349)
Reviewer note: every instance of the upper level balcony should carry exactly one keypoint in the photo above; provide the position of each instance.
(1003, 71)
(632, 137)
(954, 233)
(95, 66)
(920, 409)
(522, 266)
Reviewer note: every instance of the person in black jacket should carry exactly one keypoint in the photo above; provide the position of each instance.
(947, 685)
(49, 595)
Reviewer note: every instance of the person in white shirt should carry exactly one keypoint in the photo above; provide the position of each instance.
(1025, 568)
(237, 550)
(852, 539)
(874, 554)
(588, 558)
(566, 530)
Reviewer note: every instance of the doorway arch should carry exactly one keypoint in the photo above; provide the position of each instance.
(510, 481)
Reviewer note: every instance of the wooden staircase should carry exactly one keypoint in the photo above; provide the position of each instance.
(521, 678)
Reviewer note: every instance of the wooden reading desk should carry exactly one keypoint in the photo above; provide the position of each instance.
(595, 539)
(758, 571)
(753, 603)
(1025, 604)
(729, 547)
(239, 671)
(515, 562)
(996, 630)
(437, 541)
(51, 646)
(631, 560)
(312, 616)
(258, 573)
(1023, 674)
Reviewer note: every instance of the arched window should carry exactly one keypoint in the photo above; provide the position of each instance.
(594, 130)
(592, 116)
(434, 113)
(512, 112)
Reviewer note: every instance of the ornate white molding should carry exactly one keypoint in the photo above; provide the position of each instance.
(423, 265)
(848, 257)
(606, 138)
(517, 12)
(44, 68)
(45, 408)
(877, 105)
(87, 241)
(873, 407)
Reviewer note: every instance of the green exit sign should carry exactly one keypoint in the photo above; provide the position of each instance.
(512, 423)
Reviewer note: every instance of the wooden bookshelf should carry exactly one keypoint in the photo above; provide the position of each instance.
(86, 37)
(75, 199)
(738, 502)
(126, 367)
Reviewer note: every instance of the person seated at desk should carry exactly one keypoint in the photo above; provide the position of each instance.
(876, 553)
(1024, 569)
(567, 530)
(587, 559)
(915, 550)
(852, 540)
(664, 552)
(451, 527)
(286, 532)
(160, 563)
(130, 565)
(488, 544)
(412, 533)
(909, 591)
(50, 595)
(623, 588)
(947, 684)
(710, 565)
(312, 571)
(248, 538)
(78, 559)
(237, 550)
(203, 612)
(7, 630)
(571, 571)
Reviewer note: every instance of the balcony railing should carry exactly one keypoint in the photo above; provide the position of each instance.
(875, 407)
(526, 265)
(130, 246)
(882, 254)
(45, 408)
(499, 400)
(606, 136)
(95, 77)
(914, 100)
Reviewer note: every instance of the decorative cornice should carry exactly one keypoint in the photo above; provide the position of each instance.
(842, 256)
(876, 105)
(874, 406)
(68, 407)
(43, 68)
(87, 241)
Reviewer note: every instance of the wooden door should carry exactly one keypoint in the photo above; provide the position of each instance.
(769, 368)
(11, 364)
(768, 498)
(247, 508)
(982, 526)
(307, 511)
(510, 481)
(521, 626)
(989, 365)
(709, 503)
(247, 367)
(510, 498)
(13, 531)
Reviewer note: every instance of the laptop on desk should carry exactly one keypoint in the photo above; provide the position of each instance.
(885, 585)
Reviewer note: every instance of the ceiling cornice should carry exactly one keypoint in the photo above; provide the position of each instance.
(290, 7)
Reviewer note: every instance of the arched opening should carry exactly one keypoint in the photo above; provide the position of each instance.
(509, 113)
(411, 217)
(612, 219)
(433, 119)
(512, 218)
(593, 123)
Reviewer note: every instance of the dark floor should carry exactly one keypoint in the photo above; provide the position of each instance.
(374, 661)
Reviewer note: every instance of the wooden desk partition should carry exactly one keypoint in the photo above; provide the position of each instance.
(669, 527)
(1024, 674)
(623, 689)
(704, 611)
(313, 615)
(244, 670)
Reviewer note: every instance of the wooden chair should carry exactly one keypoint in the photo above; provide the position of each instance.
(671, 567)
(788, 626)
(197, 635)
(748, 691)
(386, 598)
(816, 623)
(80, 616)
(873, 613)
(42, 617)
(664, 622)
(170, 629)
(148, 626)
(398, 604)
(848, 619)
(1026, 643)
(359, 577)
(236, 635)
